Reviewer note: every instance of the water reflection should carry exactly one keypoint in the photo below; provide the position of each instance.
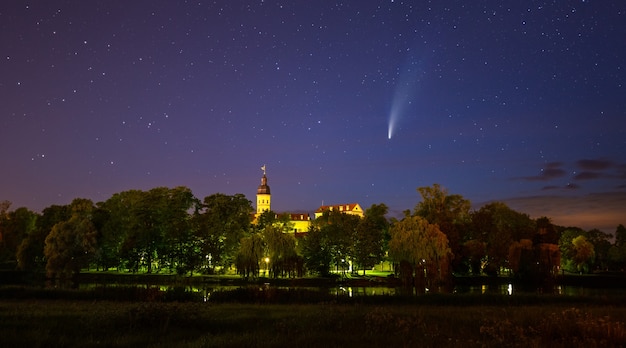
(206, 291)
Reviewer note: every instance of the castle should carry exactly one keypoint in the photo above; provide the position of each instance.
(300, 221)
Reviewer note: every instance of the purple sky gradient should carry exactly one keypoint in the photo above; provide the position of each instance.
(518, 102)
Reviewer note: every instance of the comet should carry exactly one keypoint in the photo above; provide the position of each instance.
(393, 116)
(403, 97)
(399, 106)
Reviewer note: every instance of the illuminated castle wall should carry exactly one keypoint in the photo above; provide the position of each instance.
(300, 221)
(350, 209)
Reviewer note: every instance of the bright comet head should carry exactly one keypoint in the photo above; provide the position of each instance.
(392, 123)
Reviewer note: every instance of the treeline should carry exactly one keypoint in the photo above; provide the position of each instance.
(170, 230)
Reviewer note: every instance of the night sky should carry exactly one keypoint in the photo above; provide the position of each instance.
(522, 102)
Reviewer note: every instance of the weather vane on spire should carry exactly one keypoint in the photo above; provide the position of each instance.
(263, 169)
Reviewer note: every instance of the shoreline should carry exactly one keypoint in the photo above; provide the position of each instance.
(597, 280)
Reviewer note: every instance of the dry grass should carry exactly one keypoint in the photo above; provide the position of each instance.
(54, 323)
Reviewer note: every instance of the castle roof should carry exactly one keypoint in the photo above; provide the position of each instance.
(264, 187)
(351, 207)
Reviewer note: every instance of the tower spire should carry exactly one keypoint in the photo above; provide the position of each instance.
(263, 196)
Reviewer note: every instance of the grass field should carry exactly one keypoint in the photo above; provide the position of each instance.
(253, 315)
(80, 323)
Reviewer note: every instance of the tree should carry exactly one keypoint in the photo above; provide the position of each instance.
(280, 253)
(71, 243)
(535, 262)
(475, 251)
(601, 246)
(266, 218)
(220, 224)
(439, 207)
(339, 231)
(617, 252)
(520, 257)
(146, 234)
(546, 232)
(548, 259)
(368, 248)
(30, 253)
(315, 248)
(421, 245)
(15, 226)
(616, 258)
(449, 212)
(499, 227)
(249, 255)
(568, 252)
(117, 241)
(178, 250)
(620, 236)
(583, 252)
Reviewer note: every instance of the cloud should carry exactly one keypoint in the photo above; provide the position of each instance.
(604, 210)
(551, 171)
(567, 205)
(593, 165)
(569, 186)
(587, 176)
(590, 169)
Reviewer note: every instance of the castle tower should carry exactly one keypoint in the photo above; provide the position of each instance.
(263, 196)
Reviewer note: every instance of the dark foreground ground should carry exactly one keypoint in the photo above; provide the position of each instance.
(253, 316)
(256, 316)
(67, 323)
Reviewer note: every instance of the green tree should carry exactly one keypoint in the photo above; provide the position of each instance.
(280, 255)
(583, 252)
(117, 244)
(151, 228)
(146, 234)
(249, 255)
(266, 218)
(220, 224)
(339, 230)
(369, 237)
(567, 248)
(450, 212)
(15, 226)
(178, 250)
(71, 243)
(315, 248)
(422, 247)
(30, 253)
